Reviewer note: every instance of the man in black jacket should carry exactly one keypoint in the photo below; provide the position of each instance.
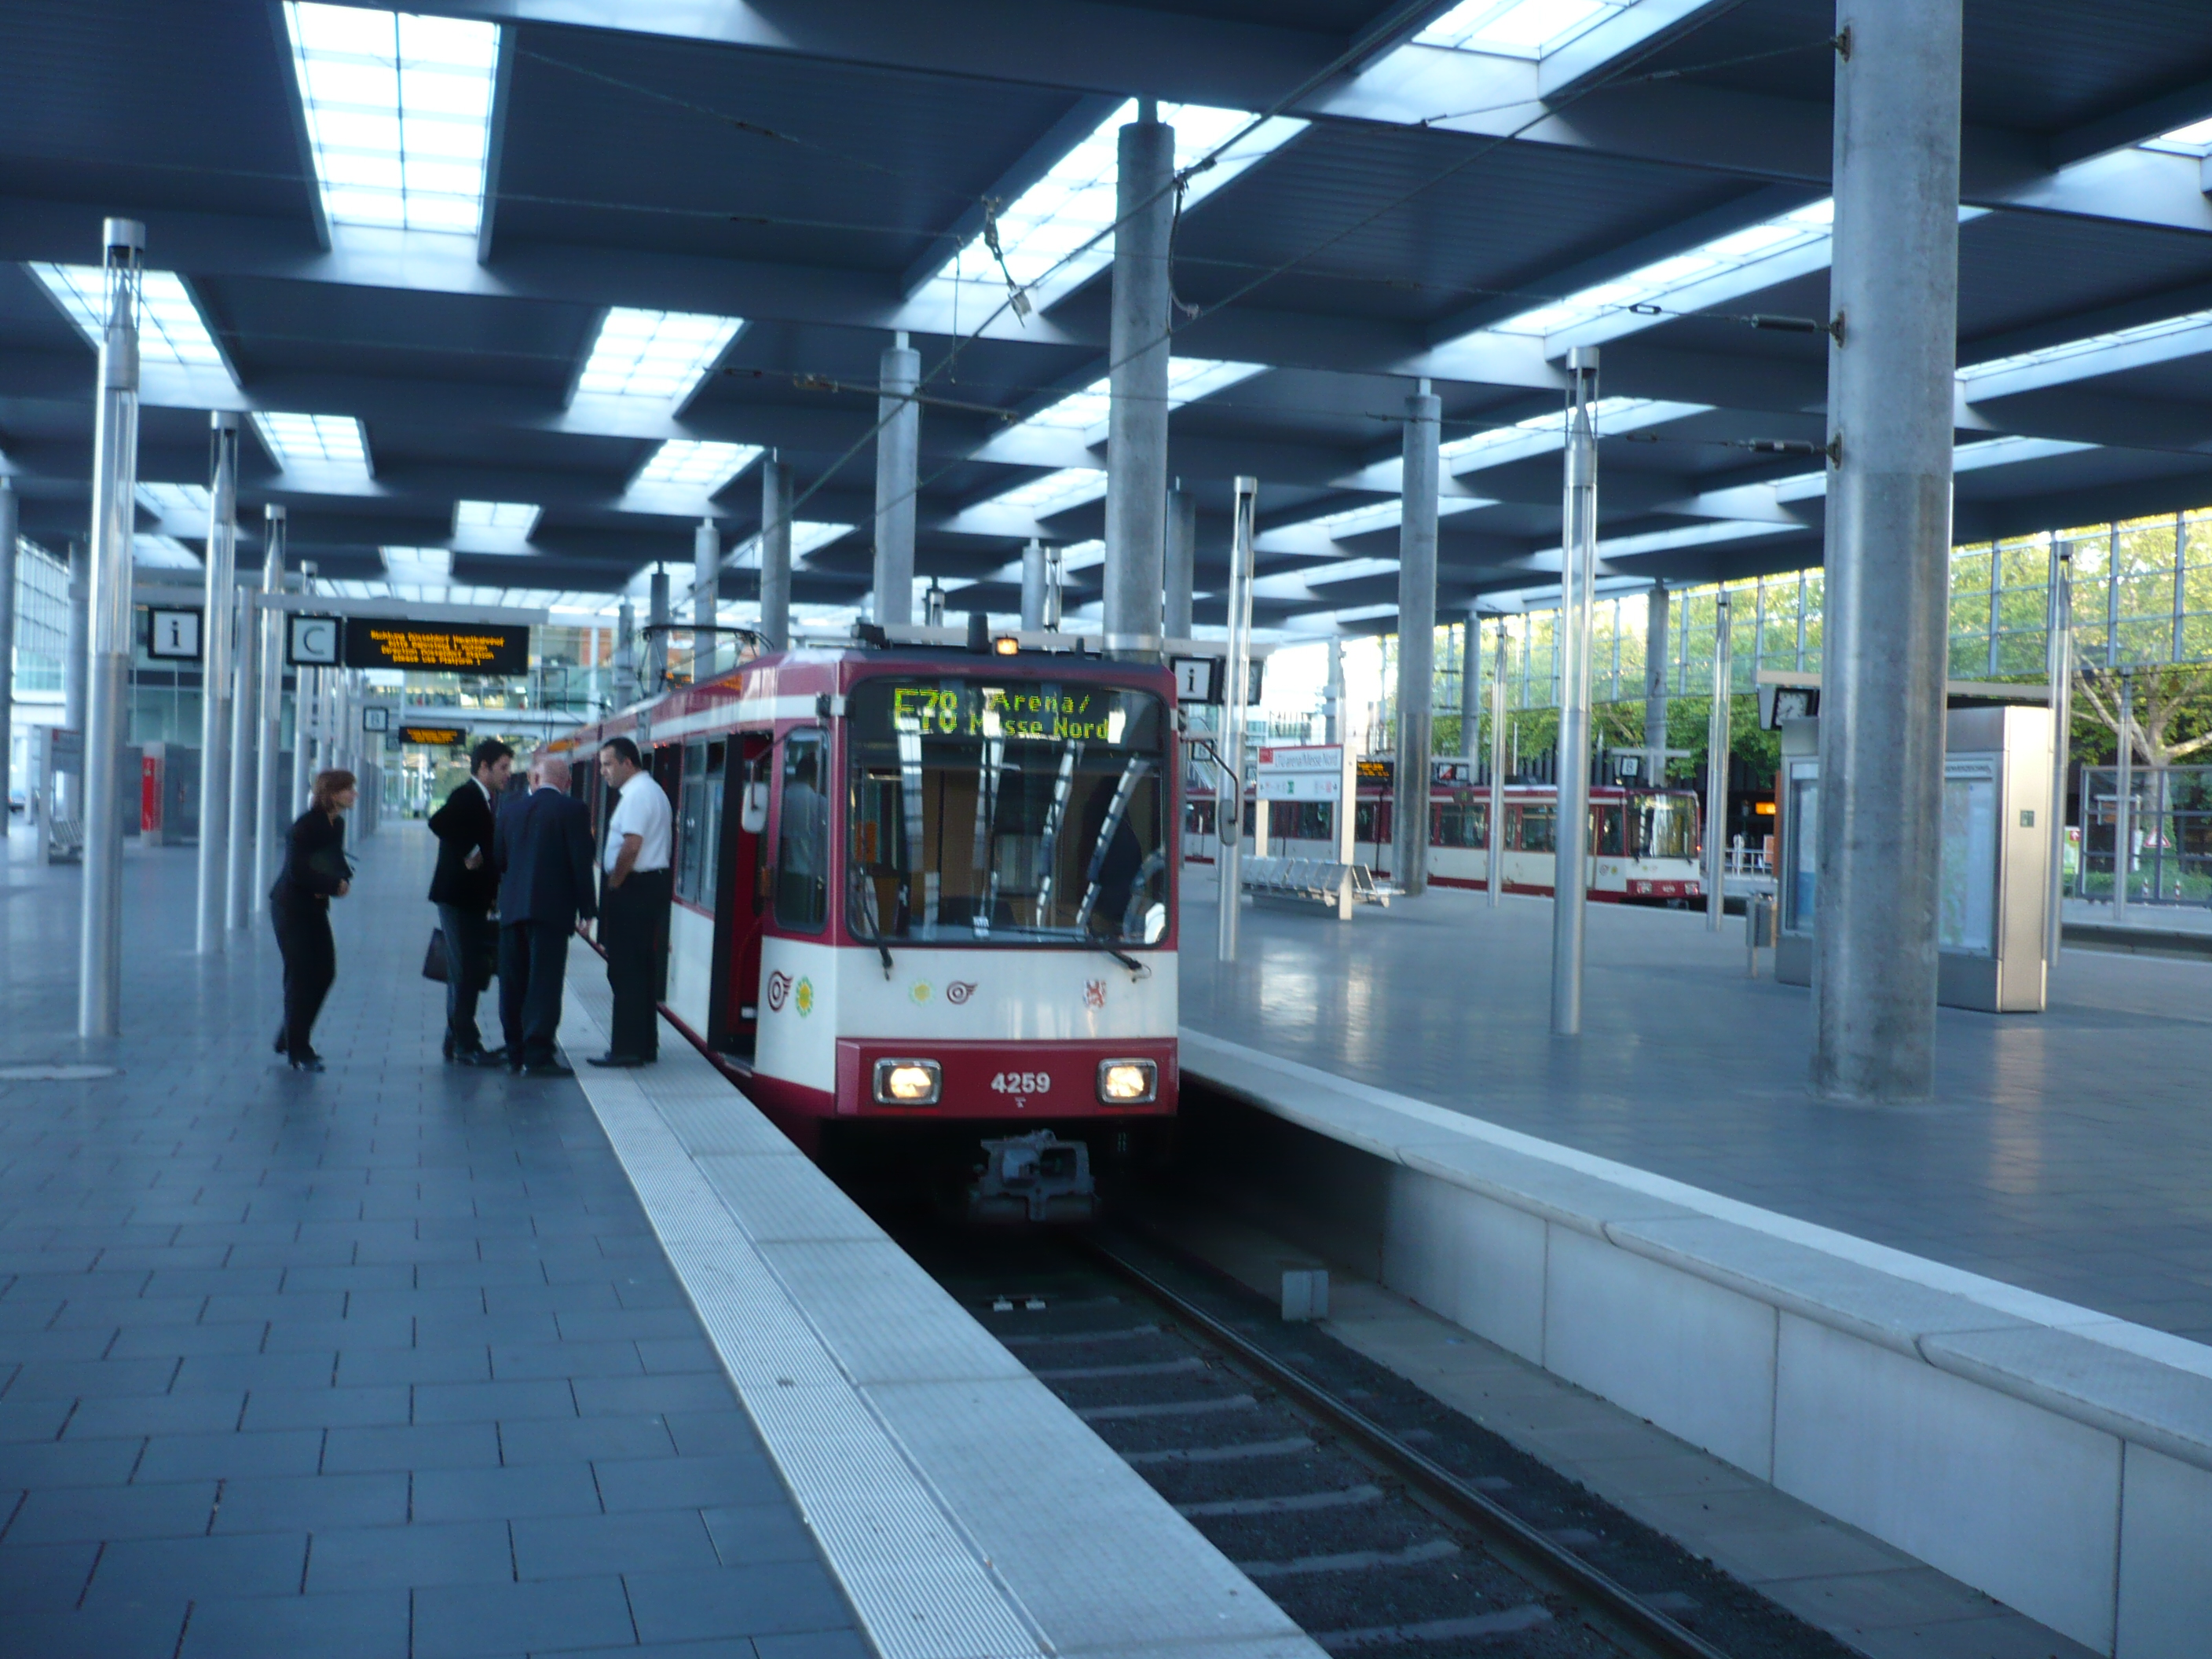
(542, 848)
(463, 887)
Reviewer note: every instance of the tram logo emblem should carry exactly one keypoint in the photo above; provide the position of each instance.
(919, 992)
(1094, 993)
(959, 991)
(803, 999)
(779, 988)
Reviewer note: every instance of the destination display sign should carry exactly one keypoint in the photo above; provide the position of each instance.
(437, 647)
(434, 737)
(1038, 711)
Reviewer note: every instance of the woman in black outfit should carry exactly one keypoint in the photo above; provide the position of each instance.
(315, 871)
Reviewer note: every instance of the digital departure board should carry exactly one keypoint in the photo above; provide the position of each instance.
(437, 647)
(434, 737)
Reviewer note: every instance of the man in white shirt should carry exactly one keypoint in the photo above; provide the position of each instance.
(634, 897)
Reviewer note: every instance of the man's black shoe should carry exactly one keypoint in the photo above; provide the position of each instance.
(617, 1060)
(548, 1068)
(482, 1057)
(447, 1050)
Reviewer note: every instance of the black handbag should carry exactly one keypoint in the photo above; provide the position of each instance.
(433, 958)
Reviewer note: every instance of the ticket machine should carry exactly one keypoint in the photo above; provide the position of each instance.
(1996, 876)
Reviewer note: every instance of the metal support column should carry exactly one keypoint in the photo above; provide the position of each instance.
(2058, 651)
(8, 531)
(107, 677)
(1417, 640)
(1137, 411)
(1895, 285)
(1654, 685)
(2124, 799)
(775, 554)
(1333, 721)
(1182, 562)
(239, 772)
(626, 685)
(1496, 837)
(76, 651)
(1229, 805)
(1470, 686)
(706, 582)
(1718, 740)
(1033, 587)
(303, 719)
(898, 454)
(270, 816)
(656, 647)
(1578, 571)
(217, 604)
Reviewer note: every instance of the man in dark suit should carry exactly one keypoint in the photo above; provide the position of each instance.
(542, 848)
(463, 887)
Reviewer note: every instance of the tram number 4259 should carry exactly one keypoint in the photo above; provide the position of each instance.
(1022, 1083)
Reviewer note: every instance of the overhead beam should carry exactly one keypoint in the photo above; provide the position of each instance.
(2180, 107)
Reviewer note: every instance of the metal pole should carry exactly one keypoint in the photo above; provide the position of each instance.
(1470, 687)
(1654, 685)
(775, 554)
(2059, 659)
(1182, 562)
(1497, 835)
(8, 522)
(1578, 571)
(268, 796)
(1033, 587)
(1055, 588)
(1230, 804)
(217, 604)
(1417, 642)
(1333, 721)
(1717, 766)
(656, 649)
(898, 450)
(1137, 408)
(107, 679)
(2124, 799)
(76, 653)
(706, 581)
(238, 773)
(626, 687)
(1894, 284)
(303, 718)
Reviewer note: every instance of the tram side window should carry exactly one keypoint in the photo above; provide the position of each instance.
(1538, 829)
(699, 818)
(802, 845)
(1608, 841)
(1299, 820)
(1463, 824)
(1370, 821)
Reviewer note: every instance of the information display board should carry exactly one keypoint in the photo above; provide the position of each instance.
(437, 647)
(172, 635)
(434, 737)
(314, 641)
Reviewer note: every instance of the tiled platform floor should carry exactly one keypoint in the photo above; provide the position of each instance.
(2069, 1152)
(384, 1362)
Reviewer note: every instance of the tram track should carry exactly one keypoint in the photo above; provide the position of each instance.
(1378, 1535)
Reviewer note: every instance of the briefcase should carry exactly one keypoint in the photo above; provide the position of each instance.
(433, 958)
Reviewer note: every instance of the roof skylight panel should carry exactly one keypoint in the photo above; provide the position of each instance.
(654, 353)
(312, 440)
(174, 501)
(2141, 343)
(697, 463)
(1055, 492)
(1517, 29)
(808, 536)
(1189, 379)
(171, 330)
(398, 111)
(1076, 199)
(520, 517)
(430, 568)
(2195, 139)
(163, 553)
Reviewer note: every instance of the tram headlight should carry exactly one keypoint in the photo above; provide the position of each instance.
(1128, 1082)
(907, 1083)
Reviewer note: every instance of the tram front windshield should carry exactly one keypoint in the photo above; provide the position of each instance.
(1665, 827)
(1007, 812)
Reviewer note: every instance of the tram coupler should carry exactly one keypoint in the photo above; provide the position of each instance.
(1034, 1178)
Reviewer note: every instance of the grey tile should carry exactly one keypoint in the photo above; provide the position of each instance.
(190, 1569)
(686, 1393)
(65, 1515)
(409, 1557)
(133, 1415)
(484, 1402)
(44, 1578)
(665, 1482)
(555, 1439)
(146, 1631)
(230, 1456)
(700, 1434)
(277, 1503)
(464, 1621)
(843, 1643)
(746, 1535)
(443, 1363)
(678, 1354)
(49, 1379)
(780, 1597)
(319, 1408)
(490, 1494)
(310, 1370)
(359, 1625)
(173, 1341)
(412, 1446)
(557, 1546)
(28, 1463)
(565, 1359)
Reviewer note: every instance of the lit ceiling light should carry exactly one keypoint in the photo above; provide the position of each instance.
(312, 440)
(1189, 379)
(171, 330)
(418, 566)
(1517, 29)
(693, 463)
(1055, 492)
(1075, 201)
(519, 516)
(654, 353)
(398, 113)
(174, 501)
(163, 553)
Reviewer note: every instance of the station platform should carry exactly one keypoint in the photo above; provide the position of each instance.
(406, 1360)
(1971, 1331)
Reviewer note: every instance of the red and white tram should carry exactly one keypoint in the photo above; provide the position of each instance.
(922, 886)
(1644, 843)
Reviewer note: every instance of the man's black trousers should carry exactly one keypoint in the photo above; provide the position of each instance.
(634, 932)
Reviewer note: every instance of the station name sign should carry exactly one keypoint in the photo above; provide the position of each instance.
(437, 647)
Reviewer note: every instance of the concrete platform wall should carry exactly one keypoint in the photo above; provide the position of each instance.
(2057, 1459)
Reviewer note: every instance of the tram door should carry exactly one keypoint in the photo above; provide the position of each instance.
(741, 898)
